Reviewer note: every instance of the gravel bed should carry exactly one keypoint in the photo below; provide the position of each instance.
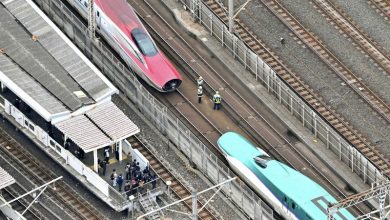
(193, 178)
(372, 22)
(28, 185)
(315, 72)
(360, 64)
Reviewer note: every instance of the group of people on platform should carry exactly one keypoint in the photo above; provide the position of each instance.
(78, 152)
(134, 179)
(217, 99)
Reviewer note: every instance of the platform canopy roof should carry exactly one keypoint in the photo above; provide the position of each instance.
(112, 121)
(5, 179)
(84, 133)
(48, 65)
(101, 126)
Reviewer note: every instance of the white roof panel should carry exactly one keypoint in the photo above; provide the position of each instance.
(5, 179)
(84, 133)
(113, 121)
(101, 126)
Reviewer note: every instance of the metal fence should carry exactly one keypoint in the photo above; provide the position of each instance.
(286, 97)
(157, 113)
(78, 166)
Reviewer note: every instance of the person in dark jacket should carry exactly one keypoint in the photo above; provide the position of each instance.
(103, 165)
(119, 181)
(67, 144)
(154, 181)
(146, 171)
(127, 188)
(134, 163)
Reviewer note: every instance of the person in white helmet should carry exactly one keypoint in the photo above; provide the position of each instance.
(200, 94)
(199, 81)
(217, 101)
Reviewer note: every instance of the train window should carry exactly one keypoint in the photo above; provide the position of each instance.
(97, 13)
(144, 43)
(285, 199)
(125, 43)
(293, 205)
(262, 160)
(86, 4)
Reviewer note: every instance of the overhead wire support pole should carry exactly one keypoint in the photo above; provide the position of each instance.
(91, 19)
(188, 197)
(32, 202)
(380, 191)
(216, 192)
(27, 193)
(233, 15)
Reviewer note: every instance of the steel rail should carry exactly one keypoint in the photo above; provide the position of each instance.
(383, 6)
(348, 26)
(9, 193)
(328, 57)
(180, 190)
(314, 100)
(234, 95)
(23, 174)
(40, 174)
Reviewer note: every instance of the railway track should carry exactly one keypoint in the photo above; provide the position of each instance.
(179, 189)
(328, 57)
(383, 7)
(240, 110)
(62, 193)
(206, 131)
(20, 205)
(349, 27)
(303, 90)
(245, 116)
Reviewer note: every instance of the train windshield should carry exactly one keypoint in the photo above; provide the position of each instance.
(144, 43)
(262, 160)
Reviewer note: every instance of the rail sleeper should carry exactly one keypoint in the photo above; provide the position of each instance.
(315, 100)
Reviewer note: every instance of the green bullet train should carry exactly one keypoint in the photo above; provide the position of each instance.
(291, 194)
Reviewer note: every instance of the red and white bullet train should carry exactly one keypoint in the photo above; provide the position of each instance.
(117, 22)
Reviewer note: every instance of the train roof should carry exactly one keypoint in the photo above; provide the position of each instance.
(121, 13)
(291, 182)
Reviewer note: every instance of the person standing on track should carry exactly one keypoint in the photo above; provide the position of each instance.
(200, 94)
(199, 81)
(217, 101)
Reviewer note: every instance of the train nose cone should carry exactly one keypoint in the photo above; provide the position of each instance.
(172, 85)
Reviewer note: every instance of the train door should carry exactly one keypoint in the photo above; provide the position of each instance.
(289, 207)
(285, 204)
(103, 23)
(98, 18)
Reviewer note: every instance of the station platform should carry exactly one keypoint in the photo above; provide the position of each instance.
(309, 144)
(53, 93)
